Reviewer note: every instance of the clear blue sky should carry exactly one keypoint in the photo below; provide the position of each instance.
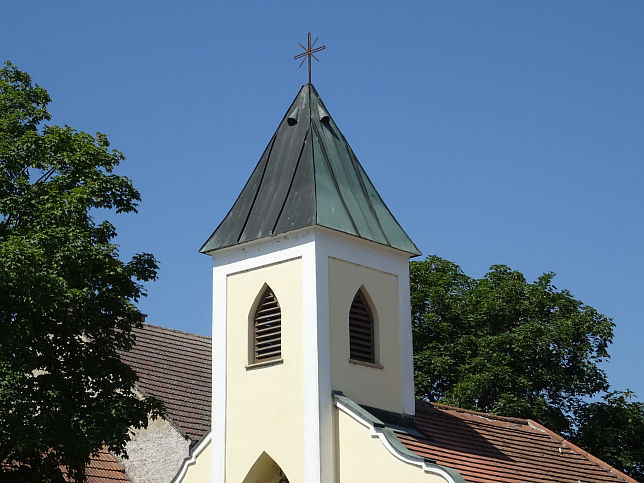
(497, 132)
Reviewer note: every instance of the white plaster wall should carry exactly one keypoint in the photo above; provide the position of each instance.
(155, 454)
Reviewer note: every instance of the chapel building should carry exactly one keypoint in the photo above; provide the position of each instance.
(311, 316)
(312, 342)
(311, 374)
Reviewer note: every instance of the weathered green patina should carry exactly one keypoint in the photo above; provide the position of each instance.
(309, 175)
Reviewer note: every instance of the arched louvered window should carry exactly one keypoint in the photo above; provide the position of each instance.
(267, 328)
(361, 330)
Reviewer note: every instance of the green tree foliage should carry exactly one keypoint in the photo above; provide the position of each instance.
(67, 302)
(503, 345)
(506, 346)
(613, 430)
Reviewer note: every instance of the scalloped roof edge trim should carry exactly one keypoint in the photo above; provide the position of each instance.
(391, 442)
(191, 459)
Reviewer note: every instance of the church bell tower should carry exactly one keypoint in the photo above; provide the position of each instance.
(310, 297)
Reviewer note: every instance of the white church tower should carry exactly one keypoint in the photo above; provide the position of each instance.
(311, 311)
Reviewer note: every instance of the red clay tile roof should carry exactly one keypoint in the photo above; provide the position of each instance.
(486, 448)
(176, 367)
(103, 468)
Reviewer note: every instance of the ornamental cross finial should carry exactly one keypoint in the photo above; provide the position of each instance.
(309, 51)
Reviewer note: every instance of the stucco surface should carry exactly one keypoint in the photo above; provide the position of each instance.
(363, 457)
(264, 405)
(378, 387)
(155, 453)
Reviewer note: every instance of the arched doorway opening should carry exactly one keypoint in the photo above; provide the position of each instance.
(265, 470)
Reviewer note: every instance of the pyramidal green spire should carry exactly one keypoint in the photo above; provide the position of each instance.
(309, 175)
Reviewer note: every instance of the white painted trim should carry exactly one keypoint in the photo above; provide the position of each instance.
(263, 252)
(279, 249)
(378, 433)
(223, 253)
(406, 343)
(192, 458)
(310, 381)
(219, 375)
(325, 397)
(362, 252)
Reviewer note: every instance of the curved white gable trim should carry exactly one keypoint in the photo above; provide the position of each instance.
(377, 432)
(192, 458)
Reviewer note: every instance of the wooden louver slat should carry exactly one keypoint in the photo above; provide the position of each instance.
(361, 330)
(267, 328)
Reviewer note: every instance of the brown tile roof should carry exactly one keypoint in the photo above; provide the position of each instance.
(176, 367)
(486, 448)
(103, 468)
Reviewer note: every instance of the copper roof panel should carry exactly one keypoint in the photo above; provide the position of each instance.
(309, 175)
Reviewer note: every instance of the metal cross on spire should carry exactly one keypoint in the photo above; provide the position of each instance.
(309, 51)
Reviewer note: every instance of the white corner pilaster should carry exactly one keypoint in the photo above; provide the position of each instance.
(406, 342)
(325, 398)
(310, 380)
(234, 260)
(318, 404)
(218, 415)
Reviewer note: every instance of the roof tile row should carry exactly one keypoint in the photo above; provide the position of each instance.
(485, 448)
(176, 367)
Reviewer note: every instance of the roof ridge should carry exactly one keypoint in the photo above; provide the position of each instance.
(573, 447)
(507, 419)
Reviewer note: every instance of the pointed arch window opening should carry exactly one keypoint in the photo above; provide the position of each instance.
(267, 329)
(265, 469)
(361, 330)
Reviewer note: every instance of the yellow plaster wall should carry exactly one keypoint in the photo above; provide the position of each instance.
(201, 470)
(362, 457)
(378, 387)
(264, 407)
